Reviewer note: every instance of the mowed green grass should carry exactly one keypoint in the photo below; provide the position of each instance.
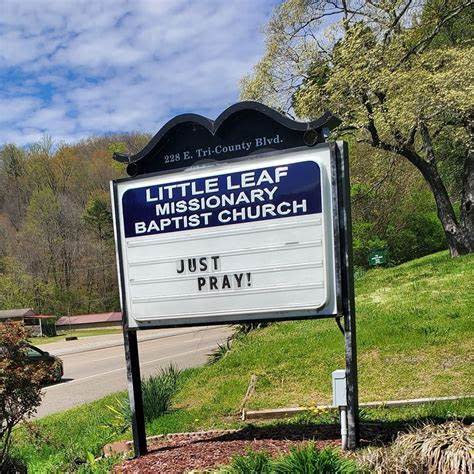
(79, 333)
(414, 335)
(415, 339)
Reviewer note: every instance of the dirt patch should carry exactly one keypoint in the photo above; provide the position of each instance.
(198, 451)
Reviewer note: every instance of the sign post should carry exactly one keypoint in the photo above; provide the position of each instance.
(347, 294)
(242, 219)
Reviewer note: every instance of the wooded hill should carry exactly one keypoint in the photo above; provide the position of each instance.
(56, 238)
(57, 250)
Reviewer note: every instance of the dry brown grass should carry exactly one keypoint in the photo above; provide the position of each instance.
(443, 449)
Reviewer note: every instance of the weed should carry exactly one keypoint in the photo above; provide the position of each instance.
(246, 328)
(220, 351)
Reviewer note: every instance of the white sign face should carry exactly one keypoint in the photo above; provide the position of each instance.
(243, 240)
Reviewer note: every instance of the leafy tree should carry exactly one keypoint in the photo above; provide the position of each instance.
(98, 217)
(12, 182)
(386, 69)
(56, 242)
(20, 384)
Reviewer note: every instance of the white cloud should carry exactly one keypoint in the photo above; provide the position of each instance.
(70, 69)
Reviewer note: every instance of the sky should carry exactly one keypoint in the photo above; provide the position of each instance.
(72, 69)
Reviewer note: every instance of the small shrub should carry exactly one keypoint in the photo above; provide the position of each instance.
(445, 448)
(252, 463)
(305, 460)
(20, 385)
(157, 392)
(309, 460)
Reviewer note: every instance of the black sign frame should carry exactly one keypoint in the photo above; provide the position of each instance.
(303, 135)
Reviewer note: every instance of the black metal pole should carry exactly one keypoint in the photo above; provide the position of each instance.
(135, 392)
(130, 343)
(348, 300)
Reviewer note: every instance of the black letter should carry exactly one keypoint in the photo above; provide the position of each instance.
(192, 264)
(182, 267)
(213, 283)
(225, 282)
(203, 264)
(238, 277)
(201, 283)
(216, 263)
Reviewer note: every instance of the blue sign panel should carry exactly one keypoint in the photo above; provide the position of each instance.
(266, 193)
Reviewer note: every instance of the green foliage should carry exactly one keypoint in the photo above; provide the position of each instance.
(310, 460)
(421, 235)
(304, 460)
(397, 74)
(220, 351)
(20, 385)
(252, 463)
(56, 240)
(49, 328)
(157, 393)
(409, 230)
(97, 217)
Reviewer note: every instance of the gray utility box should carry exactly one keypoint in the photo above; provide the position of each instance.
(339, 396)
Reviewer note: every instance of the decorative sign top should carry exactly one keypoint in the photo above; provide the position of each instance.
(245, 128)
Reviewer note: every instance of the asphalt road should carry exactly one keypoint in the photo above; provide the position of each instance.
(95, 372)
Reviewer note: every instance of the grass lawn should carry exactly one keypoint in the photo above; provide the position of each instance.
(415, 339)
(36, 341)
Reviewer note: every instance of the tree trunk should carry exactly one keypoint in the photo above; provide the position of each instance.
(459, 240)
(467, 196)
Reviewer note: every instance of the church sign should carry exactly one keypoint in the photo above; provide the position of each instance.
(231, 241)
(241, 219)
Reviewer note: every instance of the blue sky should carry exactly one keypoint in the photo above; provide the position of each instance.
(72, 69)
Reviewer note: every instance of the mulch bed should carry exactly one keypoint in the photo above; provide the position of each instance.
(198, 451)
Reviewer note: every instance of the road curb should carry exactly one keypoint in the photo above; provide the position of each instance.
(100, 346)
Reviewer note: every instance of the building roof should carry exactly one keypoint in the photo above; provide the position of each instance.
(89, 319)
(16, 313)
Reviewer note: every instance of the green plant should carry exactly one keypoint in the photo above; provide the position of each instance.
(245, 328)
(220, 351)
(157, 392)
(20, 384)
(252, 463)
(310, 460)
